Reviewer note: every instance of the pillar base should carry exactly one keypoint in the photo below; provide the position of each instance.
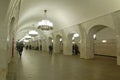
(2, 74)
(118, 60)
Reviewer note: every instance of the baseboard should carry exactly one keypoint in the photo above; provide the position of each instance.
(105, 55)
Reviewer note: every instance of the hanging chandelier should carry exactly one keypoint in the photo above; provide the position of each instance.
(45, 24)
(33, 33)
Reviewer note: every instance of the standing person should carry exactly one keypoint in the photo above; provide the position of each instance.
(21, 49)
(73, 49)
(76, 49)
(50, 49)
(26, 47)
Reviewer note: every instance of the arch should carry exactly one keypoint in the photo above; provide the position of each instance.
(71, 40)
(97, 28)
(50, 40)
(58, 37)
(58, 44)
(95, 45)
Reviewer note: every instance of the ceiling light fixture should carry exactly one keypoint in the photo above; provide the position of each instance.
(60, 39)
(27, 37)
(33, 33)
(45, 24)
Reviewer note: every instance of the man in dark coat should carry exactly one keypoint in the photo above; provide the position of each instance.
(19, 47)
(50, 49)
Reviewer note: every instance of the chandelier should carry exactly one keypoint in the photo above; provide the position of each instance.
(45, 24)
(33, 33)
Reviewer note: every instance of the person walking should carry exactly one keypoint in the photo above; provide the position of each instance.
(50, 49)
(20, 48)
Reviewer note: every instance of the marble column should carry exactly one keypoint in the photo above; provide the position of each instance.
(86, 49)
(116, 19)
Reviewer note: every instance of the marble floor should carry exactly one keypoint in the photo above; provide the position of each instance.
(35, 65)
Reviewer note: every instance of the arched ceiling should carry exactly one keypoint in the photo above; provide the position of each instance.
(63, 13)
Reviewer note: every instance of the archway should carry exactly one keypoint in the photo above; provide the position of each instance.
(73, 39)
(59, 44)
(50, 43)
(101, 40)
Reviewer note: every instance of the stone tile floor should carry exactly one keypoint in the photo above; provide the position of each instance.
(35, 65)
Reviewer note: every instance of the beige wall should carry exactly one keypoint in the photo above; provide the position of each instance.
(106, 33)
(110, 47)
(4, 4)
(5, 46)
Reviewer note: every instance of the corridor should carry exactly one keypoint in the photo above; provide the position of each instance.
(36, 65)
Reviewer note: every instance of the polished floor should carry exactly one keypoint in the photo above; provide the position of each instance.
(36, 65)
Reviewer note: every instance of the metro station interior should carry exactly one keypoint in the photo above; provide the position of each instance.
(84, 36)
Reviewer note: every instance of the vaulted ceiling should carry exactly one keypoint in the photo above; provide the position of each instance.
(63, 13)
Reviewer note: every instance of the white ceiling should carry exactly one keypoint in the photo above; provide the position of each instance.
(63, 13)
